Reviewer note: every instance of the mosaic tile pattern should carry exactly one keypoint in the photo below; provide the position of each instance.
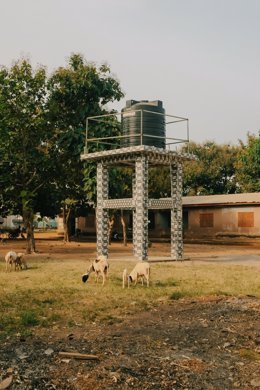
(101, 212)
(141, 157)
(141, 208)
(176, 211)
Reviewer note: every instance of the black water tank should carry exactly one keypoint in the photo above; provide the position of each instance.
(146, 117)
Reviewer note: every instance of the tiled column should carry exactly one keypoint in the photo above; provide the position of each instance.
(101, 213)
(141, 207)
(176, 211)
(134, 214)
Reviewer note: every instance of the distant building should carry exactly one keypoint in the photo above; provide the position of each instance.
(221, 215)
(203, 217)
(11, 222)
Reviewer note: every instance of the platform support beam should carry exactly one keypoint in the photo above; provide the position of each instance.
(101, 212)
(141, 208)
(176, 211)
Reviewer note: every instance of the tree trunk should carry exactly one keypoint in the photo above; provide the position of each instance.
(111, 222)
(28, 217)
(124, 228)
(66, 225)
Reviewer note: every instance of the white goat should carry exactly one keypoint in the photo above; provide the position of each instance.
(16, 259)
(100, 267)
(141, 270)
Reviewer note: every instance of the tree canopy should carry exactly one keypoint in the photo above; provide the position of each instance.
(42, 133)
(24, 147)
(248, 164)
(213, 171)
(77, 91)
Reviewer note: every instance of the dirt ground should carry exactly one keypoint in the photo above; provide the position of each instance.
(207, 343)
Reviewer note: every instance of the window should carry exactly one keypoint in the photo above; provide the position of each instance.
(206, 220)
(245, 219)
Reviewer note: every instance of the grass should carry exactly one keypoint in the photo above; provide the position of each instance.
(51, 293)
(249, 354)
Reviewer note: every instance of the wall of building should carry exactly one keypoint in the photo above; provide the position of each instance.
(87, 224)
(198, 222)
(216, 221)
(159, 224)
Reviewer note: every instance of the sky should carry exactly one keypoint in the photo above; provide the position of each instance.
(201, 58)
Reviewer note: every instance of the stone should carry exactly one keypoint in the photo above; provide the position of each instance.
(6, 382)
(255, 382)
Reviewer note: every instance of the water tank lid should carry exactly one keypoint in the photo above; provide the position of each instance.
(157, 103)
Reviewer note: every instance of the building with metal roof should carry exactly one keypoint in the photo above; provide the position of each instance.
(221, 215)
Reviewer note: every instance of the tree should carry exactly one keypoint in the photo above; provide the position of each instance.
(214, 170)
(120, 186)
(24, 142)
(42, 134)
(77, 91)
(248, 165)
(159, 182)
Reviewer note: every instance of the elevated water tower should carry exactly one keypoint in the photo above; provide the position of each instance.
(143, 142)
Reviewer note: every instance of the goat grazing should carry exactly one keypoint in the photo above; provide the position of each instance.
(100, 267)
(141, 270)
(10, 258)
(20, 262)
(16, 259)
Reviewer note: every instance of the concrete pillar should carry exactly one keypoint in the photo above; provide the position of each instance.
(101, 213)
(176, 211)
(141, 207)
(134, 214)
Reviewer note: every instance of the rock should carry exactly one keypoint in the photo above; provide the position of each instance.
(6, 382)
(226, 345)
(48, 351)
(255, 382)
(257, 341)
(115, 376)
(21, 355)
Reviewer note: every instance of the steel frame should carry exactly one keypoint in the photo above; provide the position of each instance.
(109, 140)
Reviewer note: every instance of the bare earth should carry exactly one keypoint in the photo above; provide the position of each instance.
(207, 343)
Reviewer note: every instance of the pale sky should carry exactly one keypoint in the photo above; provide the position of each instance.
(200, 57)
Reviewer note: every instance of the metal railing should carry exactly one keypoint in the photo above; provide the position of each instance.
(112, 122)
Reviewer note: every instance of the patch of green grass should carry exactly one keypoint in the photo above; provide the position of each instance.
(110, 319)
(29, 318)
(88, 315)
(70, 323)
(166, 283)
(249, 354)
(47, 301)
(117, 280)
(177, 295)
(221, 293)
(50, 320)
(6, 321)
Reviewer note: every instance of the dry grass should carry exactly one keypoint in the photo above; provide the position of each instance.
(51, 293)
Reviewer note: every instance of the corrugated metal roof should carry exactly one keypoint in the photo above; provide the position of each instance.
(247, 198)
